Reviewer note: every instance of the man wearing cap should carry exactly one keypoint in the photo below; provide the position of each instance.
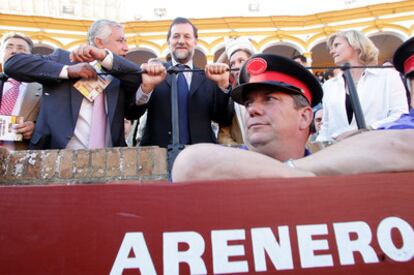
(369, 152)
(278, 94)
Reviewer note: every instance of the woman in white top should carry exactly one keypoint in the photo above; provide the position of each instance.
(381, 91)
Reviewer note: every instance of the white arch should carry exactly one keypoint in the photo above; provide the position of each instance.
(392, 32)
(318, 41)
(219, 46)
(42, 43)
(136, 49)
(288, 43)
(202, 49)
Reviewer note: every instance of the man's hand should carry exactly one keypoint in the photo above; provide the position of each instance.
(219, 73)
(154, 73)
(86, 53)
(26, 129)
(81, 70)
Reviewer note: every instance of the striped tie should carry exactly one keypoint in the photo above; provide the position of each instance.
(10, 97)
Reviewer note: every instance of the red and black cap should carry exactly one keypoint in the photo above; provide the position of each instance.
(404, 57)
(284, 74)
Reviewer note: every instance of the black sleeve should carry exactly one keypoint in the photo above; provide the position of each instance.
(35, 68)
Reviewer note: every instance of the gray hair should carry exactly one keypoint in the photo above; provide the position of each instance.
(101, 29)
(300, 101)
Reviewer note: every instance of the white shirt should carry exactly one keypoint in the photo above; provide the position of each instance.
(381, 94)
(81, 134)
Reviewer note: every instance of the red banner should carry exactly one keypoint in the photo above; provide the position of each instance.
(325, 225)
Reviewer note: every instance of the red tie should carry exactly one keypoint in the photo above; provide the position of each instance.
(98, 127)
(10, 97)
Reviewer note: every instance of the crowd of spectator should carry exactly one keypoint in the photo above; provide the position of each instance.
(90, 99)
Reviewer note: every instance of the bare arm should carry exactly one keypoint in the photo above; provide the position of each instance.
(214, 162)
(369, 152)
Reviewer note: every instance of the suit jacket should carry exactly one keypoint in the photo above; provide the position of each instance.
(61, 102)
(207, 102)
(29, 108)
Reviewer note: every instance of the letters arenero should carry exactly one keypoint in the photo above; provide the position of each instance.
(325, 225)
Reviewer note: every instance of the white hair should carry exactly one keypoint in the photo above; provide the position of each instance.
(101, 29)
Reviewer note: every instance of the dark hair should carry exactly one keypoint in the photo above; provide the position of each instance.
(182, 20)
(301, 57)
(328, 73)
(300, 101)
(26, 38)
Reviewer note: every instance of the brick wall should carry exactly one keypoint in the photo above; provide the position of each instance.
(83, 166)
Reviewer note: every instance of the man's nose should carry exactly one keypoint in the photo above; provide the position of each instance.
(254, 109)
(181, 40)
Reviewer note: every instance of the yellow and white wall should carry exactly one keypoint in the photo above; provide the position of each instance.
(388, 25)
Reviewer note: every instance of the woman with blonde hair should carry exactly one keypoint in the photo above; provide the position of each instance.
(381, 91)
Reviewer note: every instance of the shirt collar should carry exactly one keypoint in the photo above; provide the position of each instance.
(22, 84)
(372, 71)
(189, 63)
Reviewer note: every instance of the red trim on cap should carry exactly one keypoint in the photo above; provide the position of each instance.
(281, 77)
(409, 65)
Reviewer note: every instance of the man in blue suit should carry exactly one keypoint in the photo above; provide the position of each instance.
(65, 119)
(207, 98)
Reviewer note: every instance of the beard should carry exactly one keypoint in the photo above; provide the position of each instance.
(183, 56)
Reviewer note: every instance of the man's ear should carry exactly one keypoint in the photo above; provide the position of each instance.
(306, 118)
(99, 43)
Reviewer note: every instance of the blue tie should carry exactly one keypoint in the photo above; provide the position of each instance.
(182, 88)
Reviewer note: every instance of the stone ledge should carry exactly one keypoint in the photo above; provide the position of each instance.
(83, 166)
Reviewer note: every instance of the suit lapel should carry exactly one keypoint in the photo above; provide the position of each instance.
(112, 93)
(169, 76)
(30, 100)
(196, 81)
(76, 101)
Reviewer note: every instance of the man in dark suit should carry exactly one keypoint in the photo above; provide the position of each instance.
(206, 101)
(25, 102)
(66, 117)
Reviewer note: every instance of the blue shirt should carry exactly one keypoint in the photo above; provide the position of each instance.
(406, 121)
